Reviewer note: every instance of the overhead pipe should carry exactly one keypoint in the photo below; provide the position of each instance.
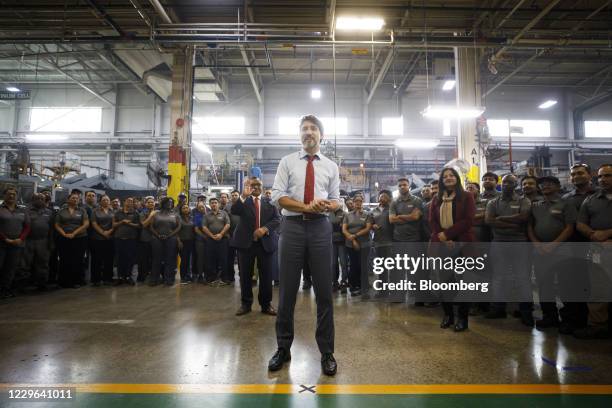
(161, 11)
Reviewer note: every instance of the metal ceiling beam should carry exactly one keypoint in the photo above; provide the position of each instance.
(521, 33)
(595, 75)
(510, 13)
(254, 81)
(381, 74)
(161, 11)
(408, 75)
(330, 16)
(513, 73)
(100, 12)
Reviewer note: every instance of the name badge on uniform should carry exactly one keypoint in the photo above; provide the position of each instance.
(556, 212)
(410, 207)
(515, 207)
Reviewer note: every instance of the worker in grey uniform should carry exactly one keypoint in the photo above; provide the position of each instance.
(508, 215)
(552, 222)
(37, 248)
(595, 222)
(14, 228)
(126, 226)
(576, 314)
(406, 216)
(164, 227)
(489, 185)
(356, 226)
(71, 223)
(383, 230)
(215, 225)
(529, 187)
(145, 251)
(103, 245)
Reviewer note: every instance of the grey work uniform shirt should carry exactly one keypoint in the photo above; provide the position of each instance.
(380, 217)
(408, 231)
(104, 221)
(123, 231)
(596, 211)
(577, 199)
(186, 233)
(336, 218)
(145, 232)
(70, 222)
(481, 230)
(215, 222)
(234, 219)
(12, 223)
(165, 223)
(41, 221)
(355, 222)
(500, 207)
(550, 217)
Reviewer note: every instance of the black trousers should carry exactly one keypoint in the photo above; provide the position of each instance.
(231, 260)
(126, 257)
(71, 254)
(216, 257)
(164, 260)
(358, 271)
(299, 238)
(10, 257)
(102, 255)
(186, 253)
(247, 258)
(145, 260)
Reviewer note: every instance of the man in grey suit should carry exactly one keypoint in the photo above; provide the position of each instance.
(306, 187)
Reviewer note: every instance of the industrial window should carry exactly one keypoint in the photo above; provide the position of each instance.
(288, 125)
(519, 128)
(393, 126)
(219, 125)
(66, 119)
(446, 127)
(598, 128)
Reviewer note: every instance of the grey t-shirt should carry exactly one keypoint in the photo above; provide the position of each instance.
(336, 218)
(13, 222)
(355, 222)
(165, 223)
(145, 232)
(380, 217)
(596, 211)
(481, 230)
(40, 223)
(215, 222)
(234, 219)
(551, 217)
(186, 233)
(104, 221)
(71, 221)
(124, 231)
(408, 231)
(500, 207)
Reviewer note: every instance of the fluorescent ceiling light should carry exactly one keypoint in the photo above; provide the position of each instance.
(202, 147)
(12, 89)
(549, 103)
(416, 144)
(444, 112)
(359, 23)
(45, 138)
(448, 85)
(315, 94)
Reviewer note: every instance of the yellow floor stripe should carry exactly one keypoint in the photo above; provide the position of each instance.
(330, 388)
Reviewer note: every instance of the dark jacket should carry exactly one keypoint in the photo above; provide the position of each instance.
(463, 217)
(269, 218)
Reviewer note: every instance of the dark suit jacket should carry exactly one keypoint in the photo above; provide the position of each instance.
(463, 218)
(269, 218)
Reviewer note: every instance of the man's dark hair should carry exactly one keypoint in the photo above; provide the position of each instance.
(534, 178)
(491, 174)
(399, 180)
(213, 199)
(90, 191)
(313, 119)
(76, 191)
(433, 183)
(474, 184)
(9, 188)
(387, 192)
(235, 191)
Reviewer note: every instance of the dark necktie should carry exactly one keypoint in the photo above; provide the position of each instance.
(310, 181)
(256, 201)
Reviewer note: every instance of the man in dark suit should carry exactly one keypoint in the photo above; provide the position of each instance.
(255, 237)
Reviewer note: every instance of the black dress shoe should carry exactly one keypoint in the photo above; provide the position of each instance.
(328, 364)
(278, 359)
(243, 310)
(447, 322)
(461, 325)
(269, 311)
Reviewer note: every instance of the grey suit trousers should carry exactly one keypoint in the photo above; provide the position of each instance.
(299, 241)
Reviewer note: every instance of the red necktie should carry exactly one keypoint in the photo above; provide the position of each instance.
(256, 201)
(310, 181)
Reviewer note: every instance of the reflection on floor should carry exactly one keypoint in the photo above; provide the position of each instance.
(189, 335)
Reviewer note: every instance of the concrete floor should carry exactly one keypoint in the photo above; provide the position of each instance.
(189, 335)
